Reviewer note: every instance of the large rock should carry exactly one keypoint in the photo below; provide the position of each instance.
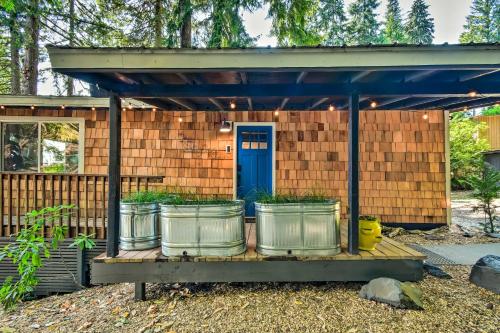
(486, 273)
(393, 292)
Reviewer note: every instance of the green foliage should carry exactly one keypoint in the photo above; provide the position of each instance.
(363, 27)
(83, 242)
(225, 23)
(146, 197)
(189, 200)
(284, 198)
(466, 149)
(483, 23)
(29, 251)
(486, 187)
(332, 21)
(491, 111)
(394, 30)
(420, 25)
(293, 21)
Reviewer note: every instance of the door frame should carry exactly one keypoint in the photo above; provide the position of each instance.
(235, 152)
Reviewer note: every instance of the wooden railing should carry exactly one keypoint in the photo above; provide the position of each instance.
(23, 192)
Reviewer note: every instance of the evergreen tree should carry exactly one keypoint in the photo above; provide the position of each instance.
(394, 28)
(482, 25)
(225, 26)
(363, 27)
(293, 21)
(332, 21)
(420, 25)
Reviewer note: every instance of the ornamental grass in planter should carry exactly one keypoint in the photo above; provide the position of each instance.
(306, 225)
(139, 220)
(193, 226)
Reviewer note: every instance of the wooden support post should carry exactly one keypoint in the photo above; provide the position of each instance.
(353, 174)
(114, 176)
(81, 269)
(140, 291)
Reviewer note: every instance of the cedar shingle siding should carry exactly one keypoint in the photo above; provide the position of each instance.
(402, 157)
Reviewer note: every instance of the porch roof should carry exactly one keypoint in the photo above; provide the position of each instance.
(401, 77)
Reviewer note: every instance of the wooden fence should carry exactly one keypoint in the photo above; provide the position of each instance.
(492, 132)
(23, 192)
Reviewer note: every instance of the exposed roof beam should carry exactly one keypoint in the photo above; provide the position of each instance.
(476, 75)
(298, 80)
(184, 104)
(418, 76)
(428, 89)
(244, 80)
(421, 102)
(359, 76)
(196, 81)
(480, 102)
(361, 99)
(317, 103)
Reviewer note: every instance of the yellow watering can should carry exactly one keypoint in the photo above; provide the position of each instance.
(370, 232)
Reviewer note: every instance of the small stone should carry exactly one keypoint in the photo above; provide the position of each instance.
(35, 326)
(436, 271)
(434, 237)
(486, 273)
(490, 306)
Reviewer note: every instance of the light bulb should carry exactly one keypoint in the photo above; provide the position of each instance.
(180, 119)
(373, 104)
(63, 107)
(32, 107)
(331, 108)
(473, 93)
(93, 108)
(276, 113)
(425, 116)
(232, 105)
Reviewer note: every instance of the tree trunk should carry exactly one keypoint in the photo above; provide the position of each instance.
(15, 70)
(30, 69)
(158, 23)
(186, 13)
(69, 80)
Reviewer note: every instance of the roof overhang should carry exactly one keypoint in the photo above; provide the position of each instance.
(66, 101)
(397, 77)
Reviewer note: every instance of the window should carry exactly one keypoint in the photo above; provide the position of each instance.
(49, 146)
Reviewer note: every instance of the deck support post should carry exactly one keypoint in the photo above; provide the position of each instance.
(114, 178)
(353, 174)
(140, 291)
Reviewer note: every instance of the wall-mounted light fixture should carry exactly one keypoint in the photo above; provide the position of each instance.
(226, 126)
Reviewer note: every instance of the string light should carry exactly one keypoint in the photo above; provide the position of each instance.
(232, 105)
(472, 93)
(425, 116)
(154, 109)
(130, 106)
(373, 104)
(93, 108)
(180, 119)
(2, 107)
(276, 113)
(331, 108)
(63, 107)
(466, 109)
(32, 107)
(123, 109)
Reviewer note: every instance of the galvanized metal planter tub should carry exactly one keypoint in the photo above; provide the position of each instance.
(304, 229)
(139, 226)
(203, 230)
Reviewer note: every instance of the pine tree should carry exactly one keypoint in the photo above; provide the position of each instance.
(225, 23)
(332, 21)
(293, 21)
(394, 28)
(363, 27)
(482, 25)
(420, 25)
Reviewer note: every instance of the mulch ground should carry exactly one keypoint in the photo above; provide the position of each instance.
(450, 306)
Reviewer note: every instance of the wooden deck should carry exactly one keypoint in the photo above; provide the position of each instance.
(388, 249)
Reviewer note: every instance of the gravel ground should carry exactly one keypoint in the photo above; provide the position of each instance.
(450, 306)
(464, 222)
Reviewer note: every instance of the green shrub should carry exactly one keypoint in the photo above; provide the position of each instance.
(189, 200)
(31, 248)
(280, 198)
(491, 111)
(146, 197)
(466, 149)
(485, 189)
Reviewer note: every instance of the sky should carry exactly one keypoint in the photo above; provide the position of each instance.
(449, 18)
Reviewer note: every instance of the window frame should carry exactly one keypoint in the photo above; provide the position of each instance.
(38, 121)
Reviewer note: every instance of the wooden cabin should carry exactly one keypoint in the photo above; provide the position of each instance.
(366, 125)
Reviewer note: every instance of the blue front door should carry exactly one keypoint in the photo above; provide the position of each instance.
(254, 164)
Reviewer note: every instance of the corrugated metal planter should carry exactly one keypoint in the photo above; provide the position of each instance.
(305, 229)
(139, 226)
(203, 230)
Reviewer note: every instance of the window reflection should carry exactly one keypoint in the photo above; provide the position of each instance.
(20, 147)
